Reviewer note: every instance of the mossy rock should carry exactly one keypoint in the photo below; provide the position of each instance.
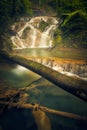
(43, 25)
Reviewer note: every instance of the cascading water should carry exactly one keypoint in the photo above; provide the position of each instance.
(68, 68)
(47, 37)
(31, 36)
(38, 33)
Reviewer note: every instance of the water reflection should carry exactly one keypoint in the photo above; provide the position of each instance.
(45, 94)
(16, 75)
(19, 70)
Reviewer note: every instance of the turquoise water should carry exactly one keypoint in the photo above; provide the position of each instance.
(44, 93)
(16, 76)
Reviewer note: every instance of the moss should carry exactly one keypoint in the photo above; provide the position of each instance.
(43, 25)
(57, 41)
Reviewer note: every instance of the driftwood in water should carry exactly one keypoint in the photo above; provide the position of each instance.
(18, 98)
(36, 107)
(42, 120)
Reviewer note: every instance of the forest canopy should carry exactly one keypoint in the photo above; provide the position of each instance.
(73, 14)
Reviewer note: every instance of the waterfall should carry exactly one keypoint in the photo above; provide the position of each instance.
(30, 35)
(34, 35)
(47, 36)
(65, 67)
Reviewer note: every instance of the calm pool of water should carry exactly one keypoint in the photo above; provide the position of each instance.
(46, 94)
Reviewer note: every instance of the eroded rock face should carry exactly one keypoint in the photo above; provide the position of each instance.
(35, 33)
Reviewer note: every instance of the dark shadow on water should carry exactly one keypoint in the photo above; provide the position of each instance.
(21, 119)
(17, 119)
(61, 123)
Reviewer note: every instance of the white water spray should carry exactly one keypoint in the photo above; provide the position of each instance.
(30, 35)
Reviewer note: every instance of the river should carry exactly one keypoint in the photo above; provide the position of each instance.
(13, 76)
(36, 35)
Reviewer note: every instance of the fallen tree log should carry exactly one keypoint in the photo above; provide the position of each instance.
(73, 85)
(36, 107)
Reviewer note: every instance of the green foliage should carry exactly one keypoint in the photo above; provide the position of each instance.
(9, 11)
(27, 7)
(43, 25)
(74, 25)
(57, 38)
(72, 12)
(74, 28)
(77, 15)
